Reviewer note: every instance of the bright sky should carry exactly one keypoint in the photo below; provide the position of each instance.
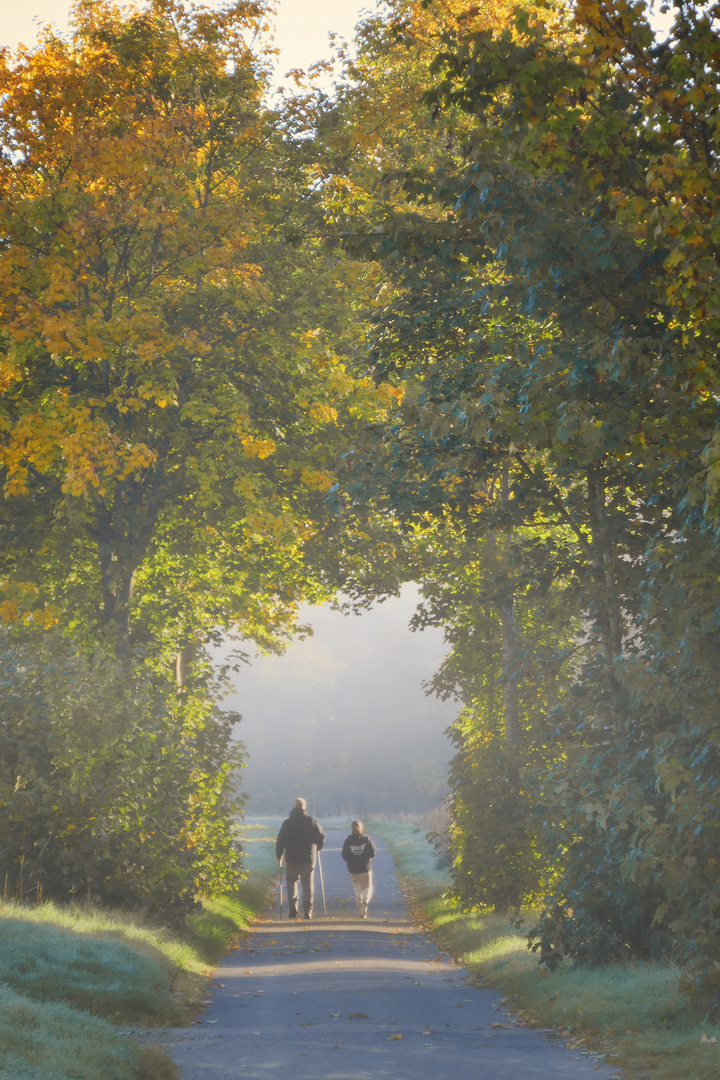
(302, 25)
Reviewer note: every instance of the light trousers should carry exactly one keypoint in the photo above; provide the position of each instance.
(363, 887)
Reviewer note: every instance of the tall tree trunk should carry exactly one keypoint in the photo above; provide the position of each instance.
(607, 614)
(122, 532)
(183, 661)
(510, 687)
(509, 652)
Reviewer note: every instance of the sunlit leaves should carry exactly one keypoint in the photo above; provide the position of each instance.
(166, 369)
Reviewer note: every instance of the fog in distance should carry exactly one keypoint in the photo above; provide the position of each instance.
(342, 719)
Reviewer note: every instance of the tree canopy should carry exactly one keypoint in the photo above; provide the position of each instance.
(456, 324)
(548, 304)
(177, 388)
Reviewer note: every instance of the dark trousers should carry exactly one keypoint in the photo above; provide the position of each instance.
(303, 872)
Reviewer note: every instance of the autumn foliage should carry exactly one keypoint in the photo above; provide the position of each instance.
(456, 324)
(171, 419)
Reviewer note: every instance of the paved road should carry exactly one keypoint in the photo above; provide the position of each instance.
(341, 998)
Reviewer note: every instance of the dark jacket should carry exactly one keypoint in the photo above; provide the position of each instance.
(300, 837)
(357, 851)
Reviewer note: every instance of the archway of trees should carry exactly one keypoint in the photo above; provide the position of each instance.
(457, 324)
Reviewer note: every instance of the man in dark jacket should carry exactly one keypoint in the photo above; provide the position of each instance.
(300, 838)
(358, 851)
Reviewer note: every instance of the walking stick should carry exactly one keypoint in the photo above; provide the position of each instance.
(281, 870)
(322, 884)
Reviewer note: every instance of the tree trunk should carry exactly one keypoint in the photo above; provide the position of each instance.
(182, 666)
(509, 653)
(607, 614)
(117, 582)
(510, 687)
(122, 533)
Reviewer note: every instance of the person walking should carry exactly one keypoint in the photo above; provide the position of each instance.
(299, 840)
(358, 851)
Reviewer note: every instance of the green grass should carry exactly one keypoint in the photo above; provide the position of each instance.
(415, 859)
(56, 1042)
(117, 964)
(47, 962)
(69, 970)
(221, 919)
(258, 844)
(630, 1015)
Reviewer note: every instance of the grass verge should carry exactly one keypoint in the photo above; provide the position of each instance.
(56, 1042)
(70, 972)
(118, 965)
(628, 1015)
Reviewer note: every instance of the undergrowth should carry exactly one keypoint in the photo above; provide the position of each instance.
(630, 1015)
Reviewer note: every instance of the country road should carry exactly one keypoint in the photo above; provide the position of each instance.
(339, 998)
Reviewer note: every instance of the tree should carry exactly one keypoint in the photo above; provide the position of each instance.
(532, 307)
(494, 797)
(176, 395)
(171, 406)
(110, 790)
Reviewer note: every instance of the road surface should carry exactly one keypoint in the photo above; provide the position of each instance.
(340, 998)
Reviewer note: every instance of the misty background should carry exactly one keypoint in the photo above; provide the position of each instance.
(342, 719)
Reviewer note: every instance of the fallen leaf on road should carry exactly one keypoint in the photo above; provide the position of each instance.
(392, 1038)
(357, 1016)
(335, 1014)
(336, 1045)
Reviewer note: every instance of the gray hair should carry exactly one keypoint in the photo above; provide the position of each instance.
(299, 804)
